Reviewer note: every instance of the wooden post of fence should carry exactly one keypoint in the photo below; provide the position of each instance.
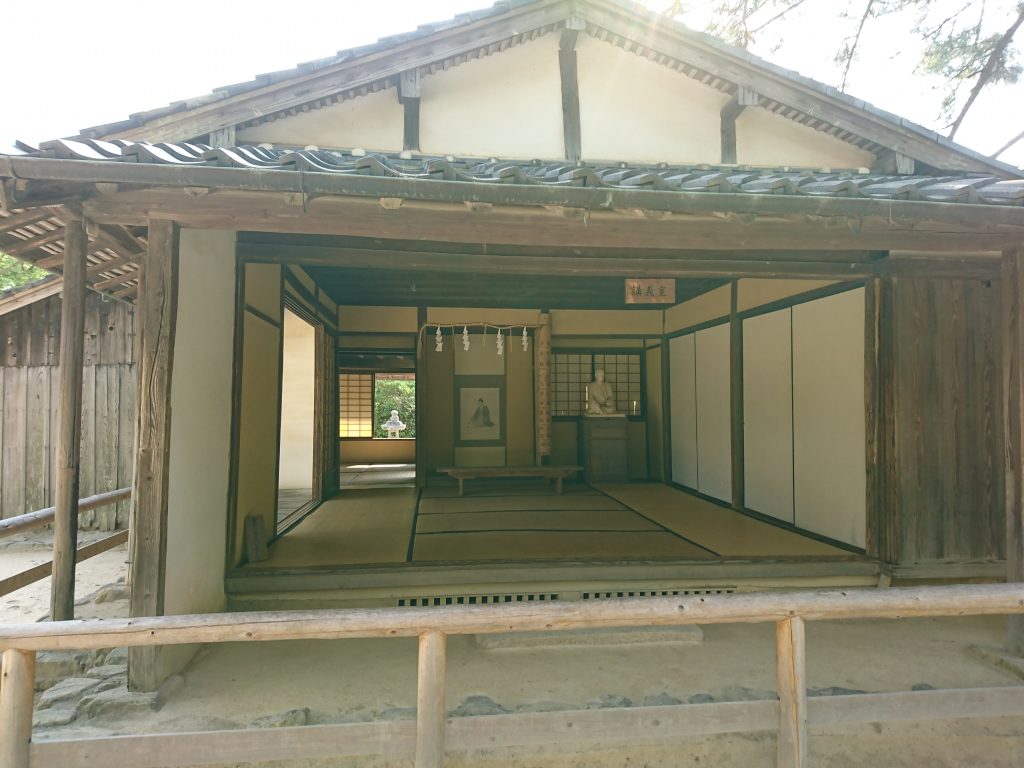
(430, 701)
(69, 421)
(1013, 428)
(16, 691)
(790, 663)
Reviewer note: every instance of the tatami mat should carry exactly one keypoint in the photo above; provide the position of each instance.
(581, 520)
(727, 532)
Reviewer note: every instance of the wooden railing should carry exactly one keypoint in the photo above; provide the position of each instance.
(33, 520)
(431, 734)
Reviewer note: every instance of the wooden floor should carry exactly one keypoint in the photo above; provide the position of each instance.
(526, 521)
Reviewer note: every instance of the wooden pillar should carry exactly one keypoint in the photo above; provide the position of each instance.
(69, 420)
(16, 691)
(542, 387)
(430, 722)
(872, 430)
(736, 400)
(571, 123)
(156, 315)
(409, 97)
(1013, 428)
(421, 398)
(733, 109)
(790, 669)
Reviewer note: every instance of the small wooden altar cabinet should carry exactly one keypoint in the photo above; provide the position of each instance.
(604, 449)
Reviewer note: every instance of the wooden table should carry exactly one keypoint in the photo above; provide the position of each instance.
(558, 474)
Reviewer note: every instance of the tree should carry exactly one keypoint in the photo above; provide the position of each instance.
(394, 395)
(14, 273)
(970, 45)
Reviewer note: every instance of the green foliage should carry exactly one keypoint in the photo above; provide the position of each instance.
(14, 273)
(394, 395)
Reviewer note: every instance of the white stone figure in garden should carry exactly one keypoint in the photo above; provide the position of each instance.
(393, 426)
(600, 396)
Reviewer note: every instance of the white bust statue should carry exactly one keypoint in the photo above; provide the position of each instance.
(393, 426)
(600, 396)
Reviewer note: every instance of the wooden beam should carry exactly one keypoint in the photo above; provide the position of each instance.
(409, 96)
(31, 216)
(43, 570)
(568, 74)
(872, 422)
(430, 700)
(25, 246)
(16, 695)
(790, 663)
(736, 400)
(155, 325)
(1013, 428)
(69, 421)
(421, 396)
(223, 137)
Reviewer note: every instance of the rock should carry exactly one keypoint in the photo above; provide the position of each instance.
(106, 671)
(834, 690)
(171, 685)
(110, 593)
(545, 706)
(742, 693)
(191, 723)
(922, 687)
(54, 666)
(53, 718)
(397, 713)
(117, 703)
(701, 698)
(610, 701)
(660, 700)
(287, 719)
(68, 691)
(478, 705)
(117, 656)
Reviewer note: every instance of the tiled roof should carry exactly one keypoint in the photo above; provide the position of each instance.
(964, 188)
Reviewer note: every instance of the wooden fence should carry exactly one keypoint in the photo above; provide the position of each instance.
(432, 734)
(29, 343)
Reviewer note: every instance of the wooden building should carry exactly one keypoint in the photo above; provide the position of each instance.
(809, 309)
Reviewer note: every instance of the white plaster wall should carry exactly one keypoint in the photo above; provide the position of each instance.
(828, 417)
(504, 105)
(764, 138)
(714, 431)
(200, 442)
(683, 409)
(377, 319)
(587, 322)
(756, 292)
(768, 413)
(298, 382)
(374, 121)
(700, 309)
(634, 109)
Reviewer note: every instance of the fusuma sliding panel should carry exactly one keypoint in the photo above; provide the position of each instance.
(683, 409)
(714, 437)
(828, 416)
(768, 413)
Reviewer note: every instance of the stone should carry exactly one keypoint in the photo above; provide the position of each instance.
(397, 713)
(922, 687)
(53, 718)
(171, 685)
(54, 666)
(834, 690)
(289, 719)
(545, 706)
(106, 671)
(610, 701)
(999, 658)
(110, 593)
(478, 705)
(192, 723)
(67, 691)
(742, 693)
(660, 700)
(701, 698)
(117, 656)
(117, 703)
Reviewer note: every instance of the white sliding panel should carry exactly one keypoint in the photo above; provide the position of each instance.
(828, 416)
(768, 413)
(714, 437)
(682, 402)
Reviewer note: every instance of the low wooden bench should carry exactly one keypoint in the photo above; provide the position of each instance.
(558, 474)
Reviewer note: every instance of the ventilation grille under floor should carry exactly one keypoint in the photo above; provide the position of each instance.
(548, 597)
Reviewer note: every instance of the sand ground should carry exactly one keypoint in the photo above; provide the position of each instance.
(231, 685)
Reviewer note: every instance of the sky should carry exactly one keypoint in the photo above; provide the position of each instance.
(98, 63)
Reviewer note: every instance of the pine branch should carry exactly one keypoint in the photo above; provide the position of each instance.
(989, 69)
(777, 16)
(852, 50)
(1009, 144)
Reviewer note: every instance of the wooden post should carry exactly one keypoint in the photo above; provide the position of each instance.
(16, 692)
(736, 400)
(69, 420)
(421, 398)
(790, 663)
(542, 387)
(1013, 429)
(571, 125)
(155, 324)
(430, 721)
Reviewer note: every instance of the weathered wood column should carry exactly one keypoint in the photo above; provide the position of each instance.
(16, 691)
(1013, 428)
(69, 421)
(790, 664)
(430, 700)
(542, 388)
(736, 400)
(156, 315)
